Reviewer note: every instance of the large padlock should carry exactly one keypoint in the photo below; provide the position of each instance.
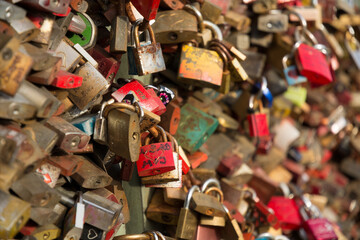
(167, 176)
(155, 158)
(123, 130)
(195, 127)
(286, 211)
(159, 211)
(205, 68)
(258, 125)
(175, 26)
(120, 29)
(148, 57)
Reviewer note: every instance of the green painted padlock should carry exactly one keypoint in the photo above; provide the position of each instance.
(86, 39)
(194, 128)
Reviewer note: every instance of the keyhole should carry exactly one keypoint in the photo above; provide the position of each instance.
(8, 12)
(172, 36)
(7, 54)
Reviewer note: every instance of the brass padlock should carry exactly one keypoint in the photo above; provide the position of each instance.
(123, 129)
(44, 136)
(159, 211)
(91, 176)
(187, 224)
(14, 214)
(41, 195)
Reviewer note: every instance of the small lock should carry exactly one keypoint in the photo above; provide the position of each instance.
(258, 125)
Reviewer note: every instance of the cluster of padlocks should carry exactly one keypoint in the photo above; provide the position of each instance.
(179, 119)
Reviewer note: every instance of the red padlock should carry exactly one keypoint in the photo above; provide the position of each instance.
(108, 66)
(286, 211)
(135, 92)
(313, 65)
(147, 8)
(161, 107)
(258, 125)
(155, 158)
(66, 80)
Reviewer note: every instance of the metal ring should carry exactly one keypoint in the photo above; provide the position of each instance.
(160, 235)
(301, 18)
(189, 196)
(151, 86)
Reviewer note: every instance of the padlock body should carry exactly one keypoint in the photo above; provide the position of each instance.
(319, 229)
(149, 59)
(292, 76)
(155, 158)
(258, 125)
(187, 224)
(312, 64)
(286, 211)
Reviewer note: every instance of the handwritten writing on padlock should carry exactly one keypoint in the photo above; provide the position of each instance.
(155, 158)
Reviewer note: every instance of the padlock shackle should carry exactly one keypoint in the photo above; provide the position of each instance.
(303, 22)
(142, 236)
(306, 35)
(222, 55)
(160, 235)
(136, 35)
(218, 191)
(227, 212)
(151, 87)
(198, 15)
(152, 234)
(122, 105)
(189, 195)
(216, 43)
(209, 182)
(173, 140)
(215, 30)
(285, 60)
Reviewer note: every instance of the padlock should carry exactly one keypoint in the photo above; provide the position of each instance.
(94, 85)
(74, 222)
(226, 78)
(58, 7)
(91, 176)
(194, 128)
(353, 45)
(262, 39)
(174, 5)
(286, 211)
(25, 29)
(174, 196)
(263, 185)
(195, 72)
(318, 74)
(119, 29)
(13, 142)
(100, 128)
(14, 214)
(213, 220)
(291, 73)
(71, 139)
(210, 11)
(240, 22)
(45, 23)
(258, 125)
(229, 165)
(66, 80)
(231, 229)
(254, 64)
(135, 92)
(46, 103)
(264, 6)
(147, 9)
(91, 232)
(160, 211)
(15, 65)
(175, 26)
(69, 164)
(87, 39)
(49, 173)
(108, 66)
(15, 12)
(100, 212)
(155, 158)
(170, 176)
(123, 129)
(171, 118)
(206, 205)
(41, 196)
(315, 226)
(70, 57)
(85, 123)
(187, 223)
(296, 94)
(45, 137)
(273, 22)
(161, 106)
(149, 57)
